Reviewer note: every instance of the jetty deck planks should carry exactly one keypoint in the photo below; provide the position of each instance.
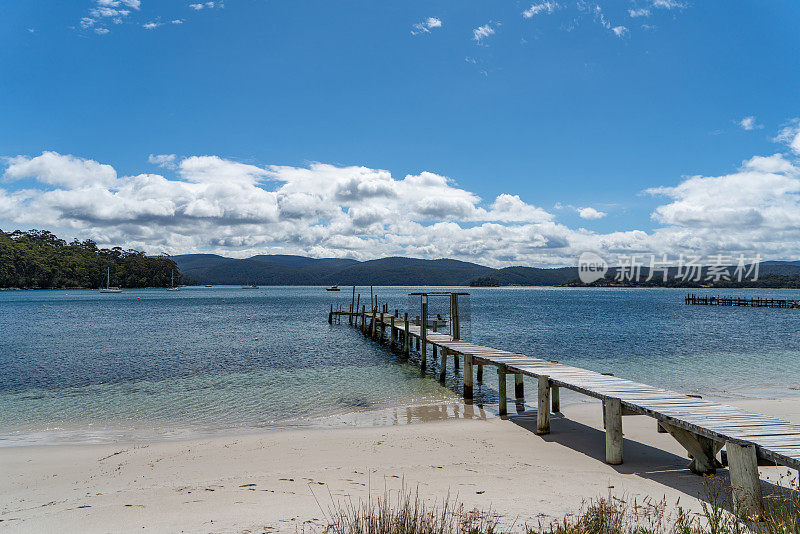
(703, 427)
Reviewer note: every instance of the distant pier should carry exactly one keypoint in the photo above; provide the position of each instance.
(753, 302)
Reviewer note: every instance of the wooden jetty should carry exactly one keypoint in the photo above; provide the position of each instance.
(753, 302)
(701, 426)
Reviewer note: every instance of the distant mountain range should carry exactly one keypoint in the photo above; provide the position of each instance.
(300, 270)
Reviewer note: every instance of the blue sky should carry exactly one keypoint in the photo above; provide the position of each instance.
(581, 104)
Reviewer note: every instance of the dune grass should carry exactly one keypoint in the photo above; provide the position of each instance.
(406, 513)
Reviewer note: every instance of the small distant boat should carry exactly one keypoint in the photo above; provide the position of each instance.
(250, 287)
(209, 285)
(172, 286)
(108, 288)
(333, 288)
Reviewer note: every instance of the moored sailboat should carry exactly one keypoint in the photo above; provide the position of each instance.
(172, 286)
(108, 288)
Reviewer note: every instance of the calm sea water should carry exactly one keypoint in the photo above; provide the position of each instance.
(81, 366)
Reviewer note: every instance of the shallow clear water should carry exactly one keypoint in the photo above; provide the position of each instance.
(85, 366)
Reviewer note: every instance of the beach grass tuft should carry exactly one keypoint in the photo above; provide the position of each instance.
(406, 513)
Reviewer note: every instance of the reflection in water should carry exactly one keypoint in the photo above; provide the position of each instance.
(407, 415)
(145, 364)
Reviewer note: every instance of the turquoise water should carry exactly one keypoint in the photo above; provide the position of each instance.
(84, 366)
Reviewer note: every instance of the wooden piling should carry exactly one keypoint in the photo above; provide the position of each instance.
(519, 387)
(424, 327)
(443, 366)
(392, 335)
(467, 376)
(555, 398)
(352, 305)
(479, 374)
(406, 345)
(330, 315)
(743, 467)
(612, 409)
(543, 406)
(501, 390)
(417, 323)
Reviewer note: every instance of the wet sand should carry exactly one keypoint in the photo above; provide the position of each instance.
(285, 481)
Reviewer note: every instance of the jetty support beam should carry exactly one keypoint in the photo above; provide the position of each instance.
(702, 450)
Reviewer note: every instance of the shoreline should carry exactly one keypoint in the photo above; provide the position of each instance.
(271, 482)
(400, 415)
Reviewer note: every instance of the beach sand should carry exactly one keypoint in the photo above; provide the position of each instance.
(285, 481)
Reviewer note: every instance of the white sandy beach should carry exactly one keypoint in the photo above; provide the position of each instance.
(285, 480)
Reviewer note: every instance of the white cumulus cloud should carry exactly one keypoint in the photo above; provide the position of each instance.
(590, 213)
(790, 134)
(482, 32)
(639, 12)
(540, 8)
(749, 123)
(163, 160)
(214, 204)
(426, 26)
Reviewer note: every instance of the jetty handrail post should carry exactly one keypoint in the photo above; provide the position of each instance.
(612, 410)
(405, 335)
(358, 303)
(455, 319)
(543, 406)
(743, 467)
(501, 390)
(374, 320)
(467, 376)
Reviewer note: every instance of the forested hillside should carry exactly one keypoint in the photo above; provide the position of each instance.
(300, 270)
(39, 259)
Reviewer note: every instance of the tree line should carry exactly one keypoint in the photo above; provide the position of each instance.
(38, 259)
